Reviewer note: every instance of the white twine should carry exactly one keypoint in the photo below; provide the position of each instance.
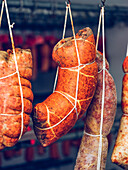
(98, 32)
(64, 30)
(56, 77)
(91, 134)
(58, 122)
(127, 51)
(62, 93)
(65, 22)
(77, 40)
(17, 71)
(125, 114)
(8, 75)
(65, 116)
(79, 64)
(4, 114)
(74, 34)
(103, 96)
(79, 67)
(77, 56)
(103, 90)
(65, 96)
(2, 9)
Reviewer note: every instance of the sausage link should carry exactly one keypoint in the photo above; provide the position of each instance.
(120, 151)
(88, 152)
(10, 97)
(58, 114)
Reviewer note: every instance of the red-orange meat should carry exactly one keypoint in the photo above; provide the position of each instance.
(57, 115)
(120, 151)
(10, 97)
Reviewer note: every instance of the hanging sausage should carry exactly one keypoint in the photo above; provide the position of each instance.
(88, 152)
(10, 96)
(59, 112)
(120, 152)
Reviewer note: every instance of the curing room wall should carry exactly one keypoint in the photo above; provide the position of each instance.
(116, 44)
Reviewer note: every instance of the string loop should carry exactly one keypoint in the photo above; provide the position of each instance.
(89, 134)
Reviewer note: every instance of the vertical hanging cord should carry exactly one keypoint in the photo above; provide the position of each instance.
(12, 41)
(2, 9)
(103, 96)
(77, 84)
(127, 51)
(74, 34)
(56, 77)
(98, 32)
(65, 22)
(68, 7)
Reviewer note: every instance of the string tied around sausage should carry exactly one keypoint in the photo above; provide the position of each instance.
(4, 4)
(103, 69)
(125, 114)
(78, 67)
(68, 8)
(93, 135)
(8, 75)
(78, 71)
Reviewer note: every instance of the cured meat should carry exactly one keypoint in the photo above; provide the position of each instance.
(10, 97)
(88, 151)
(120, 152)
(55, 116)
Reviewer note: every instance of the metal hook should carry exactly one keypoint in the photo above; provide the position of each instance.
(102, 3)
(69, 2)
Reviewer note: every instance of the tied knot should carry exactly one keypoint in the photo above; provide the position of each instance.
(11, 26)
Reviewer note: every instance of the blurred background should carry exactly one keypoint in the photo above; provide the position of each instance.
(39, 26)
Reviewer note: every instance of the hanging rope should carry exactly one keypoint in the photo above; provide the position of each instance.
(77, 57)
(98, 32)
(101, 17)
(65, 21)
(64, 30)
(127, 51)
(17, 71)
(2, 9)
(103, 96)
(79, 64)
